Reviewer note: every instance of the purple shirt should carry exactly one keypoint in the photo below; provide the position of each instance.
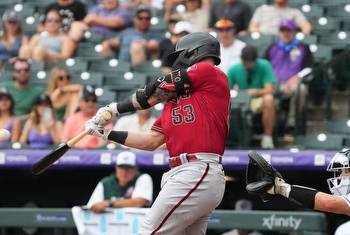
(117, 12)
(37, 140)
(288, 61)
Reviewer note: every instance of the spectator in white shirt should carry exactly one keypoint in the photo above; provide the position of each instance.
(231, 47)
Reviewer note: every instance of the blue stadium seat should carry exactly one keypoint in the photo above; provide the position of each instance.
(337, 40)
(312, 10)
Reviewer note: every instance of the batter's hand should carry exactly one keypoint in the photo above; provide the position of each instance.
(96, 130)
(280, 187)
(100, 119)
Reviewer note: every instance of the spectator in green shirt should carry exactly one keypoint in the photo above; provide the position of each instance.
(256, 78)
(22, 92)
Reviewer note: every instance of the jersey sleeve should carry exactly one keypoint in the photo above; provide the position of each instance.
(144, 188)
(269, 76)
(157, 125)
(97, 195)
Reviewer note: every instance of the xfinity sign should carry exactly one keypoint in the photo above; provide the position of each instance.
(281, 222)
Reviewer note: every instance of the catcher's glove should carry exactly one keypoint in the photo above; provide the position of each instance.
(261, 176)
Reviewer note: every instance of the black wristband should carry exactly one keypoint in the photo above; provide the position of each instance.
(126, 106)
(118, 136)
(303, 196)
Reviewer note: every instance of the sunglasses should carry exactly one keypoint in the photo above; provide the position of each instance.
(93, 100)
(66, 77)
(22, 70)
(53, 20)
(12, 22)
(148, 18)
(225, 29)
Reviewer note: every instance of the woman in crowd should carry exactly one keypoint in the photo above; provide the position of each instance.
(64, 95)
(7, 118)
(12, 37)
(50, 45)
(42, 128)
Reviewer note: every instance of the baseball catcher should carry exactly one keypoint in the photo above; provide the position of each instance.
(264, 180)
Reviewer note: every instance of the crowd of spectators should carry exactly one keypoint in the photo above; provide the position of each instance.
(126, 32)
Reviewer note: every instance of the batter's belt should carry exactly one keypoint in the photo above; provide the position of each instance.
(192, 157)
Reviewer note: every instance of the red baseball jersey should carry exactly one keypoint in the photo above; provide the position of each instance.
(198, 122)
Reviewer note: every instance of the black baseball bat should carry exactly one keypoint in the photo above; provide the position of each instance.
(40, 166)
(56, 154)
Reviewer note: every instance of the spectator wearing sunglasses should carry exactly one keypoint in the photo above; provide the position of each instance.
(51, 44)
(64, 94)
(75, 124)
(137, 44)
(42, 129)
(23, 94)
(106, 19)
(231, 48)
(12, 37)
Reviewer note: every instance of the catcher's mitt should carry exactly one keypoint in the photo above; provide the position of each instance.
(260, 176)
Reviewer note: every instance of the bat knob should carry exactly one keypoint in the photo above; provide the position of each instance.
(107, 116)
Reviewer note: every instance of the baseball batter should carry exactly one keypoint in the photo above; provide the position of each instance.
(193, 124)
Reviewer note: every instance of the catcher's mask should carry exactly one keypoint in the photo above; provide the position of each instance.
(195, 47)
(340, 166)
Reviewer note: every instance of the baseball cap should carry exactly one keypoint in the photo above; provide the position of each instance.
(126, 159)
(174, 18)
(182, 27)
(288, 24)
(89, 94)
(142, 8)
(43, 99)
(4, 93)
(9, 15)
(224, 23)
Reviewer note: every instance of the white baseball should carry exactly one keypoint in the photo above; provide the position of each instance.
(4, 135)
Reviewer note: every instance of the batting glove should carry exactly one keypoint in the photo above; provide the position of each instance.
(280, 187)
(99, 117)
(93, 129)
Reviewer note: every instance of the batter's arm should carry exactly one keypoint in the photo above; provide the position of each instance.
(162, 89)
(145, 141)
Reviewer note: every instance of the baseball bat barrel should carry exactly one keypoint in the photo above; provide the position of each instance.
(56, 154)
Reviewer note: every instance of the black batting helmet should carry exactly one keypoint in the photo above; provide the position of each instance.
(196, 46)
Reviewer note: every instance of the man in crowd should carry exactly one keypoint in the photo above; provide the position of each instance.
(125, 187)
(288, 57)
(231, 48)
(266, 18)
(138, 43)
(22, 92)
(256, 78)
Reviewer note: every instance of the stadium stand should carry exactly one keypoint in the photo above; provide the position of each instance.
(326, 123)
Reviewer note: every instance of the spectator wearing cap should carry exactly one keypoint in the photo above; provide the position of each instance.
(266, 18)
(22, 92)
(231, 47)
(74, 124)
(42, 129)
(288, 56)
(196, 13)
(8, 120)
(12, 37)
(256, 78)
(167, 46)
(125, 187)
(105, 19)
(136, 44)
(64, 94)
(235, 10)
(50, 45)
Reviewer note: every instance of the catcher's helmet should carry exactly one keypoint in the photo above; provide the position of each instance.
(340, 166)
(196, 46)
